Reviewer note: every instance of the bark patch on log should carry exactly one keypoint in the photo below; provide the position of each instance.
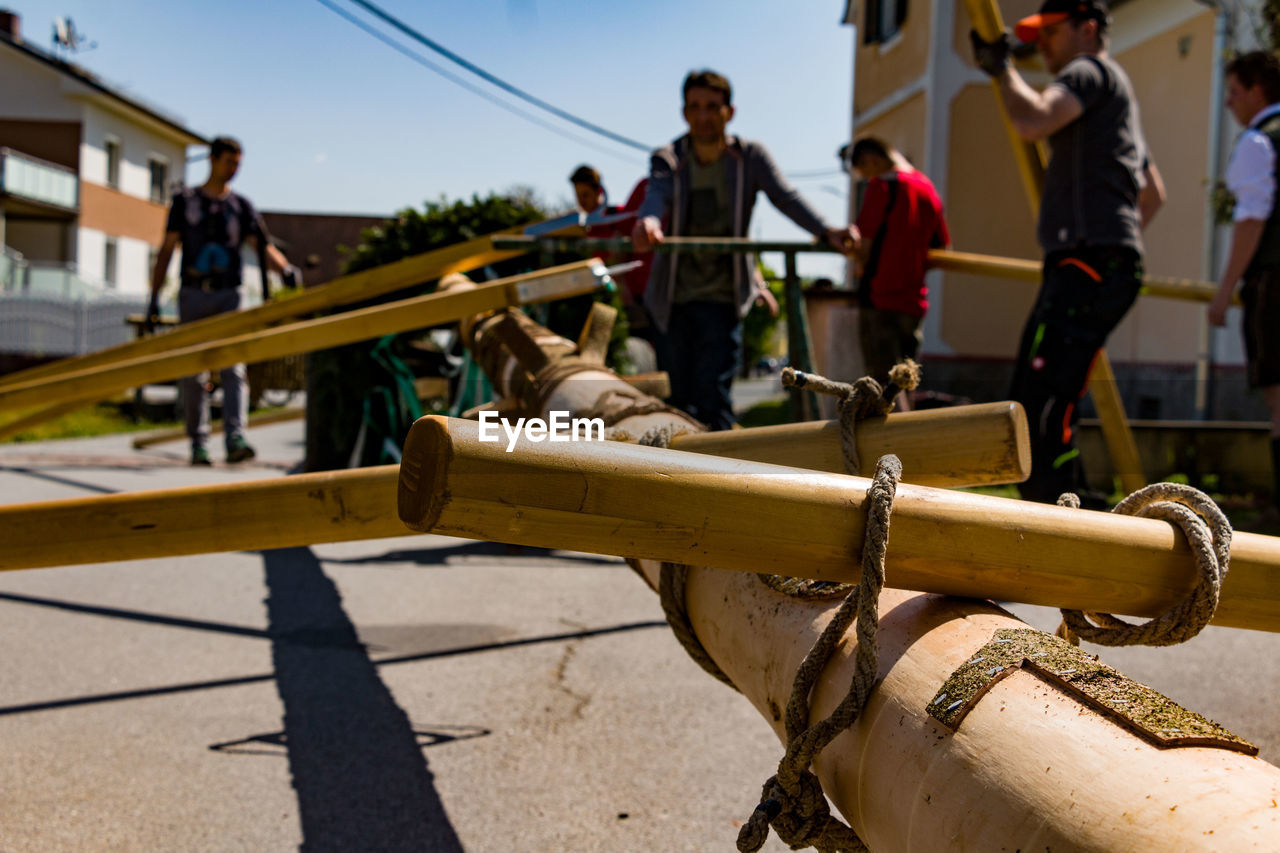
(1147, 713)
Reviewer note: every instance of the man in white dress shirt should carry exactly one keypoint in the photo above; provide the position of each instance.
(1253, 96)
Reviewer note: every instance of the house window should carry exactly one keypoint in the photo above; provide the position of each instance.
(112, 149)
(109, 262)
(159, 180)
(884, 20)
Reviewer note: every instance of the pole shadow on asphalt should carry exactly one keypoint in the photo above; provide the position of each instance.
(361, 778)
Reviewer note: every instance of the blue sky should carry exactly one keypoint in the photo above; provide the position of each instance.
(334, 120)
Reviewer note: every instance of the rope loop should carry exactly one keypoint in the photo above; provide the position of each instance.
(1208, 534)
(792, 801)
(864, 398)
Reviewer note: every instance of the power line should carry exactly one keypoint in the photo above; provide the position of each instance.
(813, 174)
(500, 83)
(470, 87)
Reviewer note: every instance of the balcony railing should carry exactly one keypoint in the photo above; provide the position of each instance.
(48, 279)
(26, 177)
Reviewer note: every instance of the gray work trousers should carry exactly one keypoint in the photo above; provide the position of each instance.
(196, 304)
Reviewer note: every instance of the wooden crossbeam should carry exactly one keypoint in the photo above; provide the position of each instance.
(642, 502)
(306, 336)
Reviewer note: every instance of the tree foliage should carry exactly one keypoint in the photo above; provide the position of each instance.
(347, 387)
(443, 223)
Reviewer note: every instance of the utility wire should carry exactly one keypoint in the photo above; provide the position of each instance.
(500, 83)
(814, 174)
(470, 87)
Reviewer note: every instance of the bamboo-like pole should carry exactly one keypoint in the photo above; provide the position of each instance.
(1018, 269)
(900, 779)
(418, 312)
(281, 512)
(27, 420)
(281, 416)
(985, 17)
(343, 290)
(642, 502)
(985, 444)
(1031, 271)
(1030, 157)
(1029, 768)
(134, 526)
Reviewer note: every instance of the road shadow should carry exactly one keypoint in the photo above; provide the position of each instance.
(488, 553)
(360, 775)
(262, 678)
(61, 481)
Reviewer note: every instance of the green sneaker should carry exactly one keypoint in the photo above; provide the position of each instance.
(238, 450)
(200, 456)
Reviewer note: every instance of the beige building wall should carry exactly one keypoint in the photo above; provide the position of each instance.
(1172, 74)
(988, 213)
(880, 70)
(903, 127)
(987, 209)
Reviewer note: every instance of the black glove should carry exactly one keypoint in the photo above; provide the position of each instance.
(153, 314)
(991, 56)
(291, 277)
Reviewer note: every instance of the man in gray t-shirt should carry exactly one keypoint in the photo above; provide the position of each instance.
(1100, 190)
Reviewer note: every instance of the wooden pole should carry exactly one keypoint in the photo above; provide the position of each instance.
(282, 416)
(343, 290)
(1031, 271)
(607, 497)
(902, 781)
(985, 17)
(985, 444)
(418, 312)
(986, 20)
(1030, 767)
(282, 512)
(943, 259)
(804, 402)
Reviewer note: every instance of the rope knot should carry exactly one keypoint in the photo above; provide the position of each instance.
(799, 814)
(858, 401)
(1208, 534)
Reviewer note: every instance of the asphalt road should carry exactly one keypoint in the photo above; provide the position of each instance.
(407, 694)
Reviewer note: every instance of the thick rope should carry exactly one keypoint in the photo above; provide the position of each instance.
(671, 591)
(1208, 533)
(673, 580)
(862, 399)
(792, 801)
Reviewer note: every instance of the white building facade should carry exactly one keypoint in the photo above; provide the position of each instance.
(86, 174)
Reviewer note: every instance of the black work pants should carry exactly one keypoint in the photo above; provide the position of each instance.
(1085, 293)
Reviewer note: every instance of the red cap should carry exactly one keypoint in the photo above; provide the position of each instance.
(1028, 29)
(1054, 11)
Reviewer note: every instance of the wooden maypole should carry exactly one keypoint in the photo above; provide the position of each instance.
(1034, 762)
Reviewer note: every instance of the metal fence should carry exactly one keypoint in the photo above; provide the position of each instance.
(49, 326)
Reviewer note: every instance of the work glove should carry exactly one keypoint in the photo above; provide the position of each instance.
(292, 276)
(991, 56)
(153, 314)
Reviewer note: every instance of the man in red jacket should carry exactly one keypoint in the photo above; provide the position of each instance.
(900, 220)
(592, 198)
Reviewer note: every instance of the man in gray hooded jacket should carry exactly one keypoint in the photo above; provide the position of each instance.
(704, 185)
